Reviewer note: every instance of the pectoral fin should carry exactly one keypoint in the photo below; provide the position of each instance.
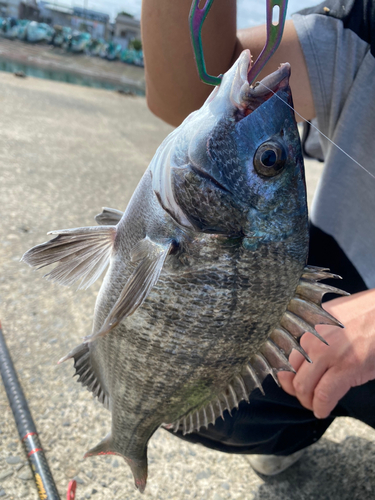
(152, 256)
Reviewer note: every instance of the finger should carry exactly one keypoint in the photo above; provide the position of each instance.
(296, 359)
(286, 378)
(286, 382)
(331, 388)
(307, 378)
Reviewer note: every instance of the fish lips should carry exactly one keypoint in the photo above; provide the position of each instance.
(236, 92)
(236, 96)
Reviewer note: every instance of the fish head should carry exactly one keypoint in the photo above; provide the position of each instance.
(235, 165)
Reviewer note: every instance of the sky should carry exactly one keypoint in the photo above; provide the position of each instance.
(249, 12)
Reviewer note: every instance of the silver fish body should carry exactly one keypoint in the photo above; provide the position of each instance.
(207, 289)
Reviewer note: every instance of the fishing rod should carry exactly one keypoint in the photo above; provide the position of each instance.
(27, 430)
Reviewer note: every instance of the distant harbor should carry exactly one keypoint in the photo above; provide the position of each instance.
(48, 62)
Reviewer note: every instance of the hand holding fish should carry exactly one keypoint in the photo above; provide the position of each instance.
(348, 361)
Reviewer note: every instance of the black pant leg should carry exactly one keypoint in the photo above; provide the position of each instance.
(359, 403)
(274, 424)
(277, 424)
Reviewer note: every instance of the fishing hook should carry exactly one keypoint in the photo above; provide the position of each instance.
(275, 30)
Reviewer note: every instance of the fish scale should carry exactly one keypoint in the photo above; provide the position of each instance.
(209, 339)
(207, 291)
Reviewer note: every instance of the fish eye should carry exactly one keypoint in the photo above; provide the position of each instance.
(270, 158)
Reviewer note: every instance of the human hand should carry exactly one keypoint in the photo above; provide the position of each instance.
(347, 362)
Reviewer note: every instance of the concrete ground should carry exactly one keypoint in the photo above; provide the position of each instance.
(66, 151)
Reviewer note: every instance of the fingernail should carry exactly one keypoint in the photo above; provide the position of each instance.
(317, 416)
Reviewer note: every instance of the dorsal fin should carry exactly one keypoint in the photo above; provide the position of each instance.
(109, 217)
(81, 254)
(303, 313)
(86, 373)
(152, 256)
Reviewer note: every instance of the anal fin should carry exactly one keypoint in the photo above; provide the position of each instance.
(86, 373)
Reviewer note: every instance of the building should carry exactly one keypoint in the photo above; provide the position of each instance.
(95, 23)
(55, 14)
(9, 8)
(92, 21)
(126, 29)
(28, 9)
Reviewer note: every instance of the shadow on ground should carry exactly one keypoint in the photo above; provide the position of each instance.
(329, 471)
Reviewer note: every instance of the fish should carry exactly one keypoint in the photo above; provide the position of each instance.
(207, 289)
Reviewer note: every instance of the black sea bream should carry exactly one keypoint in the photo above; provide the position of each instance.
(207, 290)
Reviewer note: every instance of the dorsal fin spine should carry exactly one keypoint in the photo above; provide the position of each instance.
(243, 388)
(227, 405)
(198, 420)
(233, 394)
(212, 414)
(176, 426)
(255, 377)
(191, 427)
(220, 408)
(205, 418)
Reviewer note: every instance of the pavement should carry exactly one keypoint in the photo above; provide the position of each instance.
(65, 152)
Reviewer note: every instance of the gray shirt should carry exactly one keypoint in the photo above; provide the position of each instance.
(341, 69)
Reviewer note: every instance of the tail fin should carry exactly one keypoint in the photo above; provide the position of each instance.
(138, 466)
(139, 470)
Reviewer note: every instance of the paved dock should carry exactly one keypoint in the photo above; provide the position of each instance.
(65, 152)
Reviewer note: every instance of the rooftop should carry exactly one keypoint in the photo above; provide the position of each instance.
(57, 7)
(127, 20)
(91, 14)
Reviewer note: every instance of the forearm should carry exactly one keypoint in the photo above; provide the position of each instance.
(173, 87)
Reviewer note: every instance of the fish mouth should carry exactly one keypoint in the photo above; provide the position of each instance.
(247, 98)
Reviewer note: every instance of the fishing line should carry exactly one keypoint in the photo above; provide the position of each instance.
(316, 128)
